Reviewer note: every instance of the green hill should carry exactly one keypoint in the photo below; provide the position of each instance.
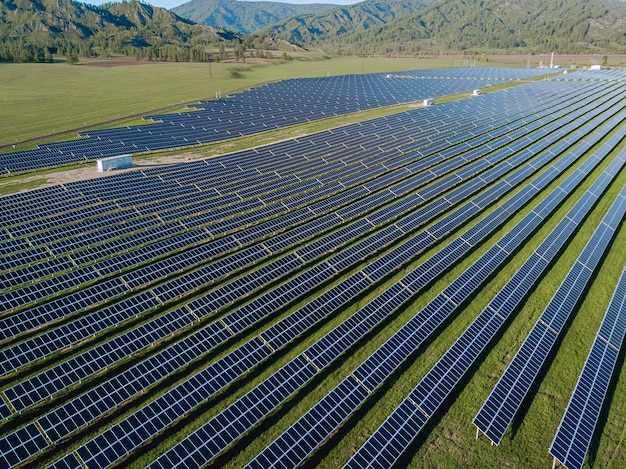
(244, 17)
(344, 24)
(409, 27)
(33, 30)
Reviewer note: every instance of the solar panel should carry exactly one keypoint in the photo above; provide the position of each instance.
(342, 334)
(4, 411)
(243, 117)
(324, 418)
(20, 445)
(332, 345)
(507, 396)
(46, 288)
(438, 383)
(219, 432)
(44, 385)
(68, 462)
(573, 437)
(35, 317)
(399, 426)
(328, 347)
(80, 411)
(377, 269)
(576, 429)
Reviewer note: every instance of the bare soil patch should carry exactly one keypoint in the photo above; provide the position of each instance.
(88, 170)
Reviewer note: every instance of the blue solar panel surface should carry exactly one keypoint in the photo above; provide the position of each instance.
(203, 272)
(433, 390)
(298, 441)
(272, 106)
(575, 432)
(506, 398)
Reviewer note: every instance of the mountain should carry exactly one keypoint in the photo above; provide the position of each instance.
(244, 17)
(345, 24)
(33, 30)
(411, 27)
(529, 26)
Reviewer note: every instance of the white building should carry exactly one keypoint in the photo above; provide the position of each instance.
(114, 162)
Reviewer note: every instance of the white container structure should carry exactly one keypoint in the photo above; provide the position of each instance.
(114, 162)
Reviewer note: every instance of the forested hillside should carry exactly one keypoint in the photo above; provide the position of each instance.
(243, 17)
(524, 26)
(33, 30)
(345, 24)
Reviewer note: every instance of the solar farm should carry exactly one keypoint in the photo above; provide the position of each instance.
(334, 299)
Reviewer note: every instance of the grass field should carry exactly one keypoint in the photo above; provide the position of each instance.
(85, 95)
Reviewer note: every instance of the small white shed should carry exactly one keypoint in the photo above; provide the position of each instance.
(114, 162)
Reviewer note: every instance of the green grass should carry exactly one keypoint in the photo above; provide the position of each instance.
(11, 188)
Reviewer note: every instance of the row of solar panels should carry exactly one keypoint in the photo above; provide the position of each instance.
(371, 272)
(74, 215)
(109, 447)
(361, 135)
(505, 400)
(576, 430)
(250, 112)
(606, 74)
(138, 276)
(236, 175)
(384, 447)
(396, 434)
(322, 420)
(164, 293)
(184, 193)
(74, 239)
(481, 73)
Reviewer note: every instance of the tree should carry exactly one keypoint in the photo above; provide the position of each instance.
(71, 58)
(240, 52)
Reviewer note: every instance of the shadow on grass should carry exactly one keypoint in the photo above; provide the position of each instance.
(609, 400)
